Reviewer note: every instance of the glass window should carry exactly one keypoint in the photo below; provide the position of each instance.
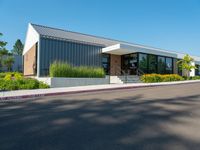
(133, 63)
(152, 63)
(169, 66)
(143, 62)
(197, 70)
(106, 63)
(105, 59)
(161, 65)
(179, 67)
(129, 63)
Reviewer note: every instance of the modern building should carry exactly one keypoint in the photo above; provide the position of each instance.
(44, 45)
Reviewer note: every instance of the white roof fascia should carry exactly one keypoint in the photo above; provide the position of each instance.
(32, 37)
(196, 58)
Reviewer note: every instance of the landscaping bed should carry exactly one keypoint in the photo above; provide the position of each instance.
(153, 78)
(16, 81)
(62, 69)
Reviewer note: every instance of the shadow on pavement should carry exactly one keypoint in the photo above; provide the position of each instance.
(96, 124)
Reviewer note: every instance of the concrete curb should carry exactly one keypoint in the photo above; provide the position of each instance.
(127, 86)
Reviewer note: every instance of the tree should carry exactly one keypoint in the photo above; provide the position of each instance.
(8, 62)
(2, 43)
(18, 47)
(186, 64)
(3, 51)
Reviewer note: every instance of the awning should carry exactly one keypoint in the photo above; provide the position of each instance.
(122, 49)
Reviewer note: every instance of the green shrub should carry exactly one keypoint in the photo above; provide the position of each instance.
(43, 85)
(25, 83)
(192, 78)
(152, 78)
(2, 75)
(8, 76)
(195, 78)
(8, 85)
(61, 69)
(28, 83)
(18, 76)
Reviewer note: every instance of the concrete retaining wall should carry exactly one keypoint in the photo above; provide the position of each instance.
(71, 82)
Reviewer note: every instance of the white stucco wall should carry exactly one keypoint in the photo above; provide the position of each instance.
(115, 79)
(32, 37)
(192, 73)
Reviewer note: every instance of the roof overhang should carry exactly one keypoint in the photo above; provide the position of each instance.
(122, 49)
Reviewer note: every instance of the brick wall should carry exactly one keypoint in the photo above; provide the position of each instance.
(30, 61)
(115, 64)
(175, 66)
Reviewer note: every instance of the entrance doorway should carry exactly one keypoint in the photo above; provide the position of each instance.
(129, 63)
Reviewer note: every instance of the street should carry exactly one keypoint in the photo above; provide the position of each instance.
(151, 118)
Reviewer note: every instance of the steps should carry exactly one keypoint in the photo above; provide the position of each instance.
(125, 79)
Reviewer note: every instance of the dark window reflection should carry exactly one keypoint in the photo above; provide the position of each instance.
(106, 63)
(143, 62)
(152, 63)
(169, 65)
(161, 65)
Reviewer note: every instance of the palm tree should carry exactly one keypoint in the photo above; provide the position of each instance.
(186, 64)
(8, 62)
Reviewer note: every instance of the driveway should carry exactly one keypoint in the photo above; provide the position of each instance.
(152, 118)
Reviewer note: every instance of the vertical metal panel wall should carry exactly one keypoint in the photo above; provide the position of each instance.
(72, 52)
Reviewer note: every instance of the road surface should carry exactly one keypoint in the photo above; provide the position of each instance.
(152, 118)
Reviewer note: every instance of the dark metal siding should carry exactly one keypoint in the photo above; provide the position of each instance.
(76, 54)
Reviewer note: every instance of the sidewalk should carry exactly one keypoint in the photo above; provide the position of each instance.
(23, 94)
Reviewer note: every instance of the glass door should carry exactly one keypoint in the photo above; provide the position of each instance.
(129, 63)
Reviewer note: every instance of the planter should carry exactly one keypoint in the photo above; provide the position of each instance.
(71, 82)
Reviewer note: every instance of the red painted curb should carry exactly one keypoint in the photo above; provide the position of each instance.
(82, 91)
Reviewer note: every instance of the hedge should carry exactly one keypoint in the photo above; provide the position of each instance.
(62, 69)
(151, 78)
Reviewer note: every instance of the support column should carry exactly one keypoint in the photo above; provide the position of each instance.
(192, 72)
(175, 66)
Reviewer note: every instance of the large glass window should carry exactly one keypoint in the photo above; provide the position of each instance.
(161, 65)
(147, 63)
(152, 64)
(143, 62)
(106, 63)
(169, 65)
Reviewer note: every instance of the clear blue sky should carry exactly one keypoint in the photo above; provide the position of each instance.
(168, 24)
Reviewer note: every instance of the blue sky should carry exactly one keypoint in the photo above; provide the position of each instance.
(168, 24)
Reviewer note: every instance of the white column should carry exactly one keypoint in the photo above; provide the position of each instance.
(192, 72)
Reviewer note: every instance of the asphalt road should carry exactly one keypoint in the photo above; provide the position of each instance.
(156, 118)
